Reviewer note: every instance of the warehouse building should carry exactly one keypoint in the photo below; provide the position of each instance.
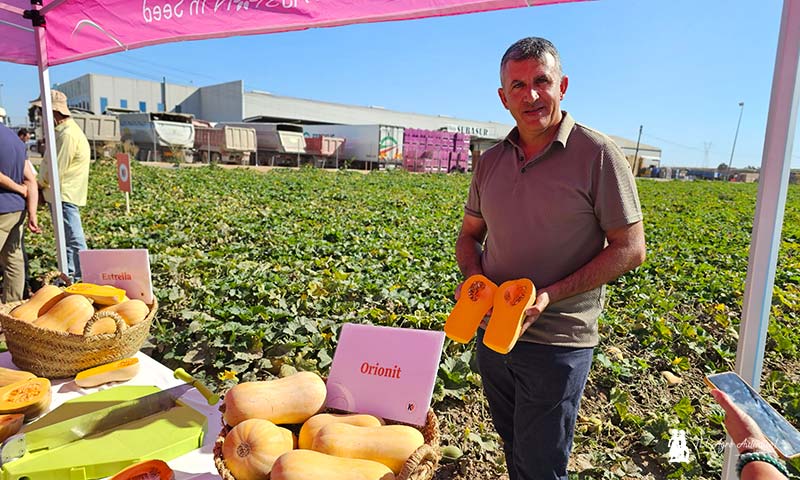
(229, 102)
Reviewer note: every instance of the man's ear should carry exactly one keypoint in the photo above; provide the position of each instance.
(564, 85)
(502, 95)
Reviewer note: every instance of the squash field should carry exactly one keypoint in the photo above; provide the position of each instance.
(255, 272)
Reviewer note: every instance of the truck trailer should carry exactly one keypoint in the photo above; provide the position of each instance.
(365, 146)
(224, 144)
(160, 136)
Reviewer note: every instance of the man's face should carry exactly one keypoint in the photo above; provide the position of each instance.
(532, 91)
(25, 137)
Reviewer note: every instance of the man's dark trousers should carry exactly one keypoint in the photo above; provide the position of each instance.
(534, 393)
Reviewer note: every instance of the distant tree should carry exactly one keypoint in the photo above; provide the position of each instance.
(722, 166)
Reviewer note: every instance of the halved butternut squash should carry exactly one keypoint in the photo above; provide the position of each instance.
(477, 295)
(147, 470)
(10, 423)
(510, 302)
(30, 397)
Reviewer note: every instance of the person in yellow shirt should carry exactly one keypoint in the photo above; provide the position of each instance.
(73, 158)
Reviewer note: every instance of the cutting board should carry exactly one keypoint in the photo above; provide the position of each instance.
(165, 435)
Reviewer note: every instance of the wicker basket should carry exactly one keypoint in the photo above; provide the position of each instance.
(421, 465)
(51, 354)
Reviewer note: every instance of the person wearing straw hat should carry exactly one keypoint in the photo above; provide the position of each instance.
(73, 157)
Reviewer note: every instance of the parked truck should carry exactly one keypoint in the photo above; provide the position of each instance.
(365, 146)
(432, 151)
(160, 136)
(276, 143)
(224, 144)
(102, 131)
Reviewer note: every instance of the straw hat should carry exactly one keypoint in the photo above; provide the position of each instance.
(59, 101)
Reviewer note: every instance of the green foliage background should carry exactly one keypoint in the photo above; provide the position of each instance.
(254, 271)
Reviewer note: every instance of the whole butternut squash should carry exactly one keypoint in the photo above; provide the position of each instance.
(311, 465)
(309, 429)
(477, 295)
(390, 445)
(132, 311)
(292, 399)
(70, 310)
(39, 303)
(252, 446)
(511, 300)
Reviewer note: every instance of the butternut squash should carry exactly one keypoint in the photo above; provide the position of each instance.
(39, 303)
(292, 399)
(30, 397)
(477, 295)
(311, 465)
(309, 429)
(505, 325)
(118, 371)
(10, 423)
(146, 470)
(251, 447)
(69, 311)
(390, 445)
(132, 311)
(99, 294)
(9, 376)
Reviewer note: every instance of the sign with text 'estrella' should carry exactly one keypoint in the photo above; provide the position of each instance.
(385, 371)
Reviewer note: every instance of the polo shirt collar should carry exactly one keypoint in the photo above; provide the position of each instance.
(564, 129)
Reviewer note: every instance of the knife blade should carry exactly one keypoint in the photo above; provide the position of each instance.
(99, 421)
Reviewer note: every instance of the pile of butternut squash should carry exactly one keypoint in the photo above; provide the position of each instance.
(71, 309)
(330, 446)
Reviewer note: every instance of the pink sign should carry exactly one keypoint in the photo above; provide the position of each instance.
(79, 29)
(385, 371)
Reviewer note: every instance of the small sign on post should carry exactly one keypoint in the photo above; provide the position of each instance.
(124, 177)
(128, 269)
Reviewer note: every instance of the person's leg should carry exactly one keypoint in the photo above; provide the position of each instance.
(74, 238)
(550, 383)
(11, 256)
(498, 386)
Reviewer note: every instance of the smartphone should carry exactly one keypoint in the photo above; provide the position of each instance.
(783, 436)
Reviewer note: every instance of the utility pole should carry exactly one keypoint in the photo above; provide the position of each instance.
(636, 154)
(707, 148)
(733, 148)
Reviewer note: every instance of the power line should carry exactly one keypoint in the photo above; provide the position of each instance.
(674, 143)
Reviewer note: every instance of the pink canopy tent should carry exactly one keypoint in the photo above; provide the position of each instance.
(62, 31)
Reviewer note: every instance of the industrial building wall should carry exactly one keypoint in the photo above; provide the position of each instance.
(103, 91)
(311, 111)
(220, 103)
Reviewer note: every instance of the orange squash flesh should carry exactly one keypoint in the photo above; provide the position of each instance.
(148, 469)
(477, 296)
(511, 300)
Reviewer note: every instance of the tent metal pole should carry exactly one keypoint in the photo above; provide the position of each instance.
(50, 141)
(770, 206)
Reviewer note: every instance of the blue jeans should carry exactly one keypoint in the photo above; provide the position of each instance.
(73, 236)
(534, 393)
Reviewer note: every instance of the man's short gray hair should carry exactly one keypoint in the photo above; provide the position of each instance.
(531, 47)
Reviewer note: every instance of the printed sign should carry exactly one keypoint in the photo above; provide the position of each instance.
(128, 269)
(124, 172)
(385, 371)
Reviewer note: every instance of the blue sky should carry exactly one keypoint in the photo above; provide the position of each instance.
(677, 67)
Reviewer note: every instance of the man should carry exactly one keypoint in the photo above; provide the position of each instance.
(554, 202)
(17, 180)
(73, 157)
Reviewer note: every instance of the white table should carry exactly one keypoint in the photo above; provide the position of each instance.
(195, 465)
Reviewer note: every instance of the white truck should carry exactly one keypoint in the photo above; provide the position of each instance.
(277, 143)
(365, 146)
(224, 144)
(160, 136)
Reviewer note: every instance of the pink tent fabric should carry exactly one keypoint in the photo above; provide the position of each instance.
(78, 29)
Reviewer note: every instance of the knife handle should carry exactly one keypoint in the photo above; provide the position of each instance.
(211, 397)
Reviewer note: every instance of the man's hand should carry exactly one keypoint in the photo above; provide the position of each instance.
(22, 190)
(742, 429)
(33, 225)
(485, 320)
(533, 312)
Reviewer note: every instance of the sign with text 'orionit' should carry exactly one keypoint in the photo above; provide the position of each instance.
(385, 371)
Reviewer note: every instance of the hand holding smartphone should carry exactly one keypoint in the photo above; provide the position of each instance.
(783, 436)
